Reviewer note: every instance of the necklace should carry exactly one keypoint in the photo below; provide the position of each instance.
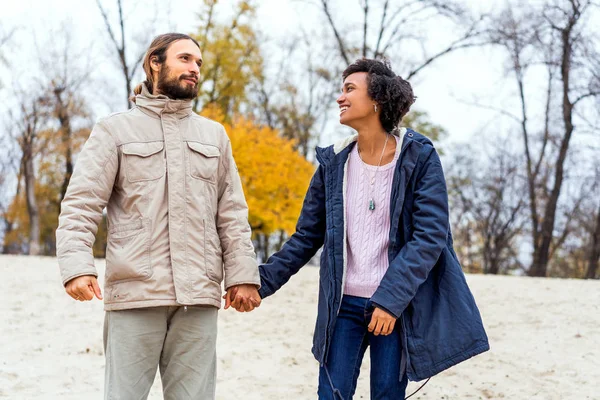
(372, 181)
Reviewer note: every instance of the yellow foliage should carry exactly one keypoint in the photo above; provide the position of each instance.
(275, 177)
(231, 57)
(49, 175)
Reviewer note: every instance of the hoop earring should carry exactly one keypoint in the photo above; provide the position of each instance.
(375, 107)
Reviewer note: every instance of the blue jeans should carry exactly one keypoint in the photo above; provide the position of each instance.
(351, 337)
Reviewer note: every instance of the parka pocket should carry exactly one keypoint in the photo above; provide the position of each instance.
(144, 161)
(213, 255)
(128, 252)
(203, 161)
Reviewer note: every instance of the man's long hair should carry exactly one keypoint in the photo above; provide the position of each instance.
(158, 48)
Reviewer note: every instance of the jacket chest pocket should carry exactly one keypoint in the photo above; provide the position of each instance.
(203, 161)
(144, 161)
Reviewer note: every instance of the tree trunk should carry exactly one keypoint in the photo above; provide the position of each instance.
(66, 133)
(32, 208)
(594, 251)
(541, 253)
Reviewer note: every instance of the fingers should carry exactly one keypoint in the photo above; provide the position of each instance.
(230, 297)
(82, 288)
(372, 324)
(96, 288)
(227, 298)
(378, 327)
(381, 323)
(391, 327)
(244, 298)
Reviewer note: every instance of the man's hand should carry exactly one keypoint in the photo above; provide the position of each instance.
(243, 298)
(83, 288)
(382, 322)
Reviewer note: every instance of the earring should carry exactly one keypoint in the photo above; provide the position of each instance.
(375, 107)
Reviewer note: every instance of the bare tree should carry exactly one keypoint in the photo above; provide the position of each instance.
(390, 26)
(122, 46)
(297, 96)
(64, 76)
(552, 37)
(486, 194)
(26, 124)
(5, 38)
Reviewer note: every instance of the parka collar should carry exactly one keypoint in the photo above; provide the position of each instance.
(161, 104)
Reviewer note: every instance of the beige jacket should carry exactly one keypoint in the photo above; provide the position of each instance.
(177, 216)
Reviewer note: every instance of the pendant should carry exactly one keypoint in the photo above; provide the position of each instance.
(372, 205)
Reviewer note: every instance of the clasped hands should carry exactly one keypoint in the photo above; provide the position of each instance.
(243, 298)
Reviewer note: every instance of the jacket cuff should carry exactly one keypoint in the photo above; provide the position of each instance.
(384, 309)
(380, 301)
(76, 264)
(241, 270)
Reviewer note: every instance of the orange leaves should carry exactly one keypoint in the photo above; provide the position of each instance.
(275, 177)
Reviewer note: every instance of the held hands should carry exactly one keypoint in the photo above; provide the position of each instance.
(83, 288)
(244, 298)
(382, 322)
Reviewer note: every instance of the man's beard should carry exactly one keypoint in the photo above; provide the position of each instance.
(173, 87)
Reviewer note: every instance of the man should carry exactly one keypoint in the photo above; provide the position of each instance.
(177, 227)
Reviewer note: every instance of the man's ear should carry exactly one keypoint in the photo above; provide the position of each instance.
(154, 64)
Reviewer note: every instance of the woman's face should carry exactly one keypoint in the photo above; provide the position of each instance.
(356, 107)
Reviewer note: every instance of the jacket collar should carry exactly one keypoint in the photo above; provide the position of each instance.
(339, 151)
(160, 104)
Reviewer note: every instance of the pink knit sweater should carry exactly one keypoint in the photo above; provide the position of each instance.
(367, 231)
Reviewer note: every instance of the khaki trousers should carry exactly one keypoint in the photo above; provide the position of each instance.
(181, 341)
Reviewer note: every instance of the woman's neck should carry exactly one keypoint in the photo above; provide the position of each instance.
(371, 141)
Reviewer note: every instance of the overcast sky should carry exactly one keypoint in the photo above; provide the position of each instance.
(442, 89)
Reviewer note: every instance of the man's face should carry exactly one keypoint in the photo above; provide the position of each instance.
(178, 76)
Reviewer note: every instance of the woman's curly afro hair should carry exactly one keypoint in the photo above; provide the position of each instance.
(393, 95)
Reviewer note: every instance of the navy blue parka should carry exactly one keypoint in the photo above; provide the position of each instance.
(424, 286)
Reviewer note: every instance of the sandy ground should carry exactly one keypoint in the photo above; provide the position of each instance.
(544, 334)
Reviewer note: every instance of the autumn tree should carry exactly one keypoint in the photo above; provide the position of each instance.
(65, 71)
(274, 176)
(231, 57)
(27, 122)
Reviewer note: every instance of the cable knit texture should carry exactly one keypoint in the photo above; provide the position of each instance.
(368, 231)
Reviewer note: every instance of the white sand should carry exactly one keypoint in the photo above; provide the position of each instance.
(544, 334)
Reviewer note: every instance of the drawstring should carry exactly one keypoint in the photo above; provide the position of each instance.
(335, 391)
(415, 392)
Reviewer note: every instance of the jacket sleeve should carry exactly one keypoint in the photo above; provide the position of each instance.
(88, 192)
(239, 259)
(304, 243)
(410, 268)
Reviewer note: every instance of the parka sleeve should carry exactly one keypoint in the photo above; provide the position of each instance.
(302, 245)
(235, 234)
(410, 268)
(88, 192)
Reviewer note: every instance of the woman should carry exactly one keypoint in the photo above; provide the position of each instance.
(389, 277)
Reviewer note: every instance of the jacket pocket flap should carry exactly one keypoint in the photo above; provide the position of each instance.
(142, 149)
(204, 149)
